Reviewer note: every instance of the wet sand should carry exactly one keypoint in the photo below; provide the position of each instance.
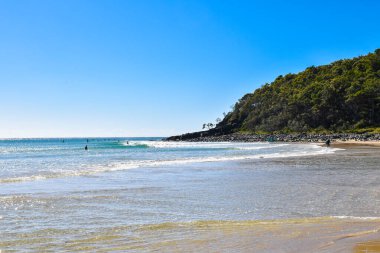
(298, 235)
(354, 143)
(365, 242)
(333, 235)
(371, 246)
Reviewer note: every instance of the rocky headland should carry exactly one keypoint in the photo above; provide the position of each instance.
(341, 98)
(301, 137)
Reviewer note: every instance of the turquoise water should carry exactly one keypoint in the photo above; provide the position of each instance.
(41, 159)
(53, 191)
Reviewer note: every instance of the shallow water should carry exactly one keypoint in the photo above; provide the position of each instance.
(153, 195)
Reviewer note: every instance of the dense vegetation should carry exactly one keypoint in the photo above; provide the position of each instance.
(343, 96)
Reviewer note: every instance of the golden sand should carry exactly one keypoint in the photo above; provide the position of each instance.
(311, 235)
(367, 247)
(354, 142)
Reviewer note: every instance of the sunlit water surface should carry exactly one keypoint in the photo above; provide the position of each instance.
(137, 194)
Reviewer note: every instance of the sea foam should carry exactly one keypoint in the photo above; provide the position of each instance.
(84, 170)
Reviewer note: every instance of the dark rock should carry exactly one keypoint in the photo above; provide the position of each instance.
(213, 136)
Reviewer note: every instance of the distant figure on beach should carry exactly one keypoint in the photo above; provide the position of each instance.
(127, 142)
(328, 143)
(86, 148)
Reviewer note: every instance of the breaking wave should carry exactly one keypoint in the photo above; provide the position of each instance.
(134, 164)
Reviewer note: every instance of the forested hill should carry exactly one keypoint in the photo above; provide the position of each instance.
(343, 96)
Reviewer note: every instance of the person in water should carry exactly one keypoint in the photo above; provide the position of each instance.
(328, 143)
(86, 148)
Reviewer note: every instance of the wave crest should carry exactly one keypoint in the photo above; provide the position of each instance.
(134, 164)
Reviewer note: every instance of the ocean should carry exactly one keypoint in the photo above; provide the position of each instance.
(145, 194)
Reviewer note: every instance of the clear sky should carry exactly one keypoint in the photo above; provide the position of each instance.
(157, 68)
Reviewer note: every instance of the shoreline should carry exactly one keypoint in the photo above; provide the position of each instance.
(356, 143)
(335, 139)
(245, 215)
(309, 234)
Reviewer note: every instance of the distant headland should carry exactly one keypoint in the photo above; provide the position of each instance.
(340, 100)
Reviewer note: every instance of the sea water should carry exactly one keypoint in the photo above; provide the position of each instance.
(134, 193)
(41, 159)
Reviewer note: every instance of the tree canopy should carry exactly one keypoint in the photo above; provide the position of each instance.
(341, 96)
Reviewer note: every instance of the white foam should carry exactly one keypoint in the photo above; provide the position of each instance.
(24, 178)
(260, 147)
(216, 145)
(134, 164)
(355, 217)
(155, 163)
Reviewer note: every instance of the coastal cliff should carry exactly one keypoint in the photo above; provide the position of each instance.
(341, 97)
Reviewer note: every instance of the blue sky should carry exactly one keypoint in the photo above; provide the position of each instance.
(157, 68)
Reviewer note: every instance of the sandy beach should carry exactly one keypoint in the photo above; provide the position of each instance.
(332, 235)
(338, 143)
